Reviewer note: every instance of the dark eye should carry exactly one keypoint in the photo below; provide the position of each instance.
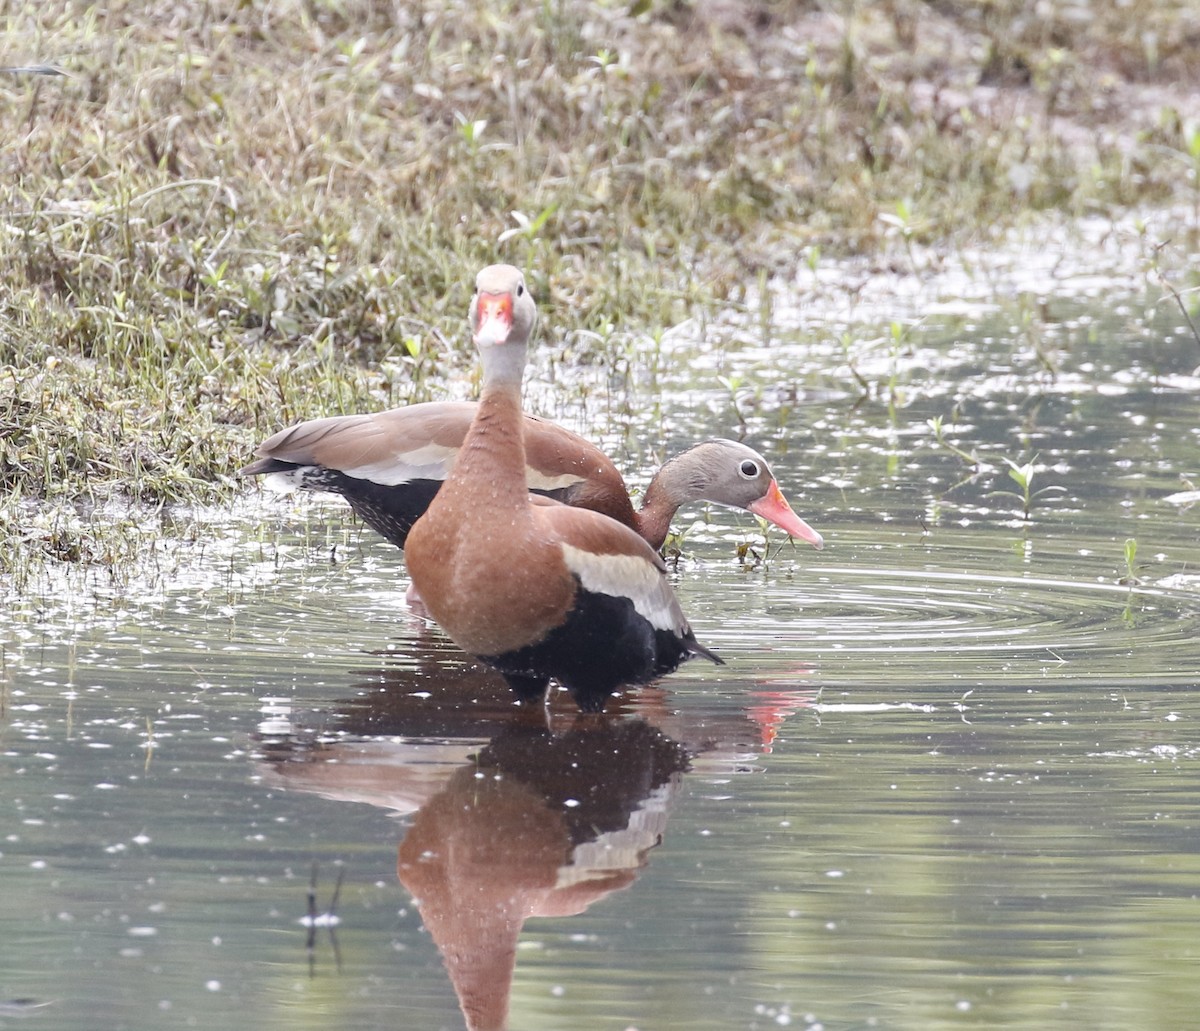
(520, 289)
(748, 469)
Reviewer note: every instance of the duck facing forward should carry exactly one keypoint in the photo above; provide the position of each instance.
(532, 587)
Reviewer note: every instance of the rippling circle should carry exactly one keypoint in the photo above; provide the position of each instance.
(938, 617)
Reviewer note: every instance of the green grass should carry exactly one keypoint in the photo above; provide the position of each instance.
(224, 219)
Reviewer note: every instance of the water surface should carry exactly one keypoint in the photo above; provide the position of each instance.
(947, 778)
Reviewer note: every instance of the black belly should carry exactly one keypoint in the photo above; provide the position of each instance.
(603, 645)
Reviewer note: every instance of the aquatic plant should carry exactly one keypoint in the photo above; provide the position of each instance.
(749, 556)
(1167, 284)
(1131, 578)
(1023, 475)
(970, 457)
(732, 384)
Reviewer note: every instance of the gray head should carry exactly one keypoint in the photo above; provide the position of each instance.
(726, 472)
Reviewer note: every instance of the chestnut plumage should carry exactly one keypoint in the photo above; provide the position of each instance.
(389, 465)
(537, 589)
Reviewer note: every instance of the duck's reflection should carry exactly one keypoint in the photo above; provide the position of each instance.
(515, 814)
(541, 824)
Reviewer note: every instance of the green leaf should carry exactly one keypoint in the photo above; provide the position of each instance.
(541, 219)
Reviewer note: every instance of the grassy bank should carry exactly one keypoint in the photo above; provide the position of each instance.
(217, 223)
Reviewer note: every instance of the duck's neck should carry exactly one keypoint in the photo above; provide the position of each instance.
(492, 457)
(659, 505)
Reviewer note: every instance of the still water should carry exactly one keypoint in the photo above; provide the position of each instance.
(947, 779)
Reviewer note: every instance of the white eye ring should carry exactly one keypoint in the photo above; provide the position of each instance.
(748, 469)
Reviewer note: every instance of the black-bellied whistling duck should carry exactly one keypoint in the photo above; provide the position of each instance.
(389, 465)
(532, 587)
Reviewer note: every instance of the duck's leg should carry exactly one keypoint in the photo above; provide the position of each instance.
(527, 688)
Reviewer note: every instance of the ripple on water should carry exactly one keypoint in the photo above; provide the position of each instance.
(892, 624)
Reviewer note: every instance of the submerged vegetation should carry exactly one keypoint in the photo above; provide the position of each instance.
(216, 222)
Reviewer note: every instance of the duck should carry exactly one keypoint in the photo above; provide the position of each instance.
(389, 465)
(534, 588)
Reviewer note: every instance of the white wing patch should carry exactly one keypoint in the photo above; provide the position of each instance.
(433, 462)
(430, 462)
(628, 576)
(538, 481)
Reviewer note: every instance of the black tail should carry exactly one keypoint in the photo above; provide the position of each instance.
(693, 647)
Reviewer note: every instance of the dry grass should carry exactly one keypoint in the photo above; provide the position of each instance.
(223, 218)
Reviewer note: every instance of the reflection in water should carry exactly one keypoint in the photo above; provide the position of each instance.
(516, 814)
(542, 824)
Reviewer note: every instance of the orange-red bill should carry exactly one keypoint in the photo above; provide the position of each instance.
(495, 317)
(774, 508)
